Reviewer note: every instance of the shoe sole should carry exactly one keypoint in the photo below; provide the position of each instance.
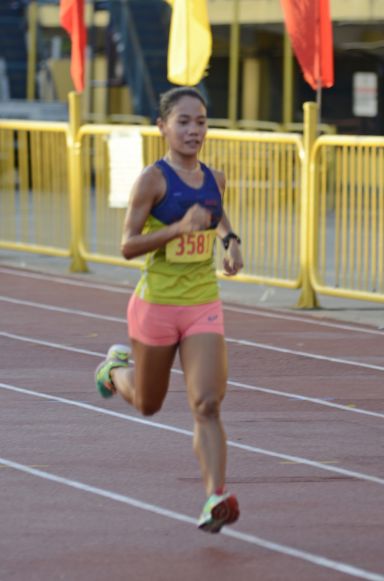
(225, 513)
(110, 391)
(105, 392)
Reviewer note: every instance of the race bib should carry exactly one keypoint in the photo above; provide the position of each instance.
(193, 247)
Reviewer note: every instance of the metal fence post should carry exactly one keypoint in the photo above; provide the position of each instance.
(307, 299)
(78, 263)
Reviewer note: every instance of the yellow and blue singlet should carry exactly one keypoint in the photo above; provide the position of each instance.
(183, 271)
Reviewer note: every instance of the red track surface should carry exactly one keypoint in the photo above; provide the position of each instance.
(309, 473)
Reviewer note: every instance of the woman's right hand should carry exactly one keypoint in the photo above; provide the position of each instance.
(196, 218)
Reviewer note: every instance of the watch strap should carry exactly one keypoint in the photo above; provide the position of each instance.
(230, 236)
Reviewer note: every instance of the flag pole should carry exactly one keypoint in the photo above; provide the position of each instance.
(234, 64)
(319, 95)
(32, 49)
(287, 80)
(318, 64)
(188, 45)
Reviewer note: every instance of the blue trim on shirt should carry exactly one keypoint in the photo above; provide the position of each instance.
(179, 196)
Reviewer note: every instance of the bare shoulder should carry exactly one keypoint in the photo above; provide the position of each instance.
(150, 184)
(220, 179)
(146, 192)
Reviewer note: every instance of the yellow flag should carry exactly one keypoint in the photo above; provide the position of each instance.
(190, 42)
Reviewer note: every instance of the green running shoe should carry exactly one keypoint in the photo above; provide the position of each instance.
(117, 356)
(219, 510)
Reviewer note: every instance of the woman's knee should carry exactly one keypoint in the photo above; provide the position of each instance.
(206, 407)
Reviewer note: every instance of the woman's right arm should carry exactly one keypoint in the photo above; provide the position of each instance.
(146, 193)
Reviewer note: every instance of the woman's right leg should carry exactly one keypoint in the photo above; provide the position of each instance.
(145, 386)
(154, 340)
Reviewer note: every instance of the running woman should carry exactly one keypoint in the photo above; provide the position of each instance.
(174, 213)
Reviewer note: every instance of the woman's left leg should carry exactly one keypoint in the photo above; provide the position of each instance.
(204, 361)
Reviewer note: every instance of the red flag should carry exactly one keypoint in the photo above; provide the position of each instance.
(72, 20)
(309, 26)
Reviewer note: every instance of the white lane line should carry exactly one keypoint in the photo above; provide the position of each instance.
(64, 310)
(312, 558)
(298, 397)
(289, 395)
(299, 319)
(244, 342)
(339, 360)
(99, 491)
(50, 344)
(277, 314)
(67, 281)
(169, 428)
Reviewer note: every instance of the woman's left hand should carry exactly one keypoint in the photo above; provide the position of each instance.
(233, 261)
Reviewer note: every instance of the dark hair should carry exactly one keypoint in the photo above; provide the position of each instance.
(173, 96)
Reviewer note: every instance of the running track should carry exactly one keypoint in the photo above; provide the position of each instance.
(92, 491)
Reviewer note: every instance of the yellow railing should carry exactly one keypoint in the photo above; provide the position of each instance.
(102, 224)
(262, 197)
(262, 200)
(310, 210)
(34, 200)
(347, 217)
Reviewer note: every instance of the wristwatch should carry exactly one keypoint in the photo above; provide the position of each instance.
(230, 236)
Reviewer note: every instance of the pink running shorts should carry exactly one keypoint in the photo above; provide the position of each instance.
(154, 324)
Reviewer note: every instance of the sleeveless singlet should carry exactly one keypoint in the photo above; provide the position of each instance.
(183, 271)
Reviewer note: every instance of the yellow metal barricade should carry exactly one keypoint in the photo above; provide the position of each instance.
(34, 192)
(103, 224)
(347, 217)
(262, 198)
(310, 211)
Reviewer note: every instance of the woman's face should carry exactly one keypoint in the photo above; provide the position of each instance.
(186, 126)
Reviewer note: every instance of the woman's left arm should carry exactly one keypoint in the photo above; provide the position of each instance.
(233, 260)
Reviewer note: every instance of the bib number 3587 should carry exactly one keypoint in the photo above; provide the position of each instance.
(192, 247)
